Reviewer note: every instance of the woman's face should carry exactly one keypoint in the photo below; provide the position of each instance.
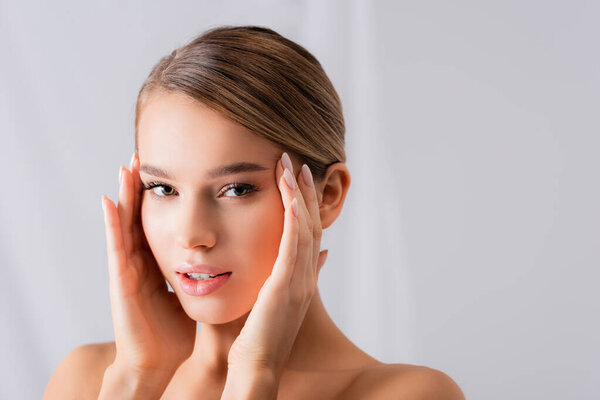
(199, 217)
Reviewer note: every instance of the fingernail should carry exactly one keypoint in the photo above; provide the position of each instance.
(289, 179)
(103, 206)
(295, 207)
(132, 160)
(287, 162)
(307, 176)
(120, 174)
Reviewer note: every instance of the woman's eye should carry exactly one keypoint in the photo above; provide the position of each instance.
(166, 193)
(239, 189)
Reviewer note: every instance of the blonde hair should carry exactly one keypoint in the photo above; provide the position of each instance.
(263, 81)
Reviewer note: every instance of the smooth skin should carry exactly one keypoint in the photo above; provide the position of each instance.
(265, 333)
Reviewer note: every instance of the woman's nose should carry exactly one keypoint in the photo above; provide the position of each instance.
(195, 227)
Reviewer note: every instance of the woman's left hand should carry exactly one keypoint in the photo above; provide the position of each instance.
(266, 340)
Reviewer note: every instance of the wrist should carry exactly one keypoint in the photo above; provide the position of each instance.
(250, 384)
(126, 383)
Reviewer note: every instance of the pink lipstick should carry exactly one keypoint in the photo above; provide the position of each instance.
(200, 279)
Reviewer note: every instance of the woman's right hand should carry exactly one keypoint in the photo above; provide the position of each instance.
(153, 334)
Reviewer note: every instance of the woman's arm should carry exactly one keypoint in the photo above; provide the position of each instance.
(123, 383)
(252, 384)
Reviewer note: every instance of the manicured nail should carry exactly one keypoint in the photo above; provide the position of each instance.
(307, 176)
(289, 179)
(295, 207)
(132, 160)
(120, 174)
(287, 162)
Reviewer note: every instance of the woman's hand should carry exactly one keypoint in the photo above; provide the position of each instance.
(153, 334)
(266, 340)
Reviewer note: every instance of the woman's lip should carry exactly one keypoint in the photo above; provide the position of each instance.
(201, 288)
(199, 268)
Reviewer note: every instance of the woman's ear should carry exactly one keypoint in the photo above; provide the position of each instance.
(331, 192)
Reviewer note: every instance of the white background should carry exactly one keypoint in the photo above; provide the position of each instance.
(470, 238)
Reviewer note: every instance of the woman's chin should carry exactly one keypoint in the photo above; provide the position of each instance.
(213, 311)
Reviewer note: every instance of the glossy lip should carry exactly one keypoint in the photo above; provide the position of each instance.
(201, 288)
(199, 268)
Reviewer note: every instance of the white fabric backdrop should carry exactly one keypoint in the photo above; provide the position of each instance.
(470, 238)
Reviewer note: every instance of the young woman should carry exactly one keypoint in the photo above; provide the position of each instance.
(239, 165)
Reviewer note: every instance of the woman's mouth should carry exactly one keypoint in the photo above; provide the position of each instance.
(197, 276)
(198, 284)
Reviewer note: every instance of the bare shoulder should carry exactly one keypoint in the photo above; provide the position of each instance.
(79, 375)
(403, 381)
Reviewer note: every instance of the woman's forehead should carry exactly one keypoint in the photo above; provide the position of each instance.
(183, 128)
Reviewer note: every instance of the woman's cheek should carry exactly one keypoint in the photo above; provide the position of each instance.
(149, 223)
(264, 237)
(155, 230)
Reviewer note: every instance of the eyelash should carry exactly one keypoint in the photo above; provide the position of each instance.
(234, 185)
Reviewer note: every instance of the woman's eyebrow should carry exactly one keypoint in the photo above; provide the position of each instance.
(230, 169)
